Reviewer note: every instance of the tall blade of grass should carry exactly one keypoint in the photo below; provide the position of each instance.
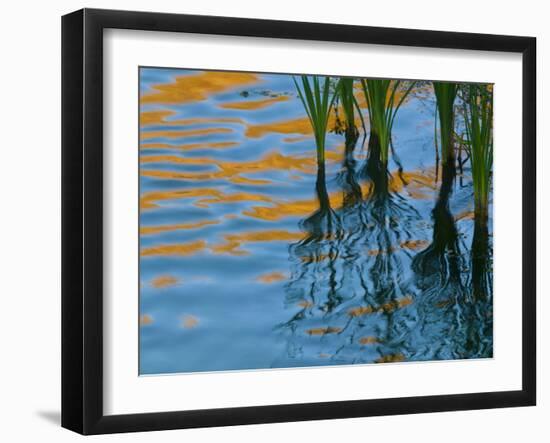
(478, 119)
(382, 107)
(348, 102)
(445, 94)
(318, 104)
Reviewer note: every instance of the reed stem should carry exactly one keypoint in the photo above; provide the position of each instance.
(317, 101)
(445, 94)
(478, 118)
(383, 103)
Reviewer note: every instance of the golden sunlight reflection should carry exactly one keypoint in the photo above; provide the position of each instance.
(189, 321)
(183, 133)
(272, 161)
(145, 320)
(271, 277)
(391, 358)
(197, 87)
(386, 307)
(175, 249)
(147, 118)
(324, 331)
(251, 105)
(233, 242)
(149, 230)
(164, 281)
(189, 146)
(418, 183)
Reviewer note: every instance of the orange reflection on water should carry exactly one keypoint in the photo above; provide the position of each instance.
(465, 215)
(386, 307)
(369, 340)
(197, 87)
(251, 105)
(145, 135)
(392, 358)
(296, 139)
(150, 199)
(296, 126)
(324, 331)
(414, 244)
(164, 281)
(272, 277)
(189, 321)
(145, 320)
(232, 198)
(189, 146)
(317, 258)
(418, 183)
(154, 117)
(233, 170)
(148, 230)
(159, 117)
(175, 159)
(182, 249)
(233, 242)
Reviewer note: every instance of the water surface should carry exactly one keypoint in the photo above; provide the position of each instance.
(253, 257)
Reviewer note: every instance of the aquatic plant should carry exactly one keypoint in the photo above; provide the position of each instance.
(383, 102)
(317, 101)
(445, 94)
(478, 121)
(348, 103)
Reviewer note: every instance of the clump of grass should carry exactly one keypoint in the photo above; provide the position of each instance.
(445, 94)
(478, 120)
(383, 103)
(317, 100)
(346, 99)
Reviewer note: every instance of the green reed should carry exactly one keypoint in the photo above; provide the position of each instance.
(317, 100)
(478, 119)
(346, 97)
(383, 103)
(445, 94)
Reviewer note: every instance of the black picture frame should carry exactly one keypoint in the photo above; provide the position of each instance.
(82, 218)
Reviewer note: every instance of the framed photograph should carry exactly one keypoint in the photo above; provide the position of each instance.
(270, 221)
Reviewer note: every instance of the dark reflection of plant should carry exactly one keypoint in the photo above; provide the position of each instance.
(347, 126)
(440, 264)
(357, 301)
(348, 265)
(456, 298)
(481, 280)
(480, 328)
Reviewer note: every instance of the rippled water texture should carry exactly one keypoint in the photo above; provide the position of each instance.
(253, 257)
